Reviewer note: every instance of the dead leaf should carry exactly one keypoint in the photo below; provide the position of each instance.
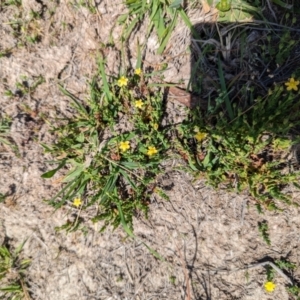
(185, 98)
(205, 6)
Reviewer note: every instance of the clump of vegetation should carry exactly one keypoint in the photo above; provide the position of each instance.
(25, 28)
(285, 269)
(115, 144)
(113, 147)
(245, 149)
(13, 274)
(4, 130)
(5, 138)
(241, 140)
(23, 87)
(162, 15)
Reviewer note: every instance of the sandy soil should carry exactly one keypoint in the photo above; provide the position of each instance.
(207, 237)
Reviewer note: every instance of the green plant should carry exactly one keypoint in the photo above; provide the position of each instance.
(4, 130)
(283, 268)
(163, 16)
(263, 228)
(2, 197)
(25, 28)
(236, 10)
(287, 4)
(245, 10)
(293, 288)
(89, 4)
(278, 46)
(112, 147)
(13, 274)
(16, 3)
(172, 279)
(26, 86)
(285, 265)
(251, 60)
(5, 137)
(244, 150)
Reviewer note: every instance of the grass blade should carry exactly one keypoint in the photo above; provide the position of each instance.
(224, 90)
(104, 79)
(167, 34)
(79, 106)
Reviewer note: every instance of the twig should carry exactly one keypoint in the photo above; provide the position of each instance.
(271, 10)
(40, 241)
(129, 273)
(277, 269)
(187, 279)
(26, 295)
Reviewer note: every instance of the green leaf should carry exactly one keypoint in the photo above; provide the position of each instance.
(25, 263)
(158, 21)
(51, 173)
(79, 106)
(123, 222)
(109, 187)
(4, 252)
(121, 19)
(239, 12)
(58, 205)
(188, 22)
(11, 288)
(139, 56)
(46, 147)
(19, 248)
(80, 137)
(5, 141)
(192, 166)
(104, 79)
(282, 4)
(224, 90)
(129, 29)
(131, 165)
(167, 34)
(74, 173)
(175, 4)
(128, 2)
(128, 179)
(224, 5)
(207, 160)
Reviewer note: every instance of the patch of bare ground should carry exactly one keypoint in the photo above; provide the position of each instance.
(207, 237)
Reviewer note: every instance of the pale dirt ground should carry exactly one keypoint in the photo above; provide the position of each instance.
(207, 237)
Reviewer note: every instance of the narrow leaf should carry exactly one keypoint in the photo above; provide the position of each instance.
(51, 173)
(175, 4)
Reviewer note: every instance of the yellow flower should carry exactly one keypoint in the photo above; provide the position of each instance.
(124, 146)
(292, 84)
(139, 104)
(151, 151)
(138, 71)
(270, 286)
(155, 126)
(199, 136)
(77, 202)
(122, 81)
